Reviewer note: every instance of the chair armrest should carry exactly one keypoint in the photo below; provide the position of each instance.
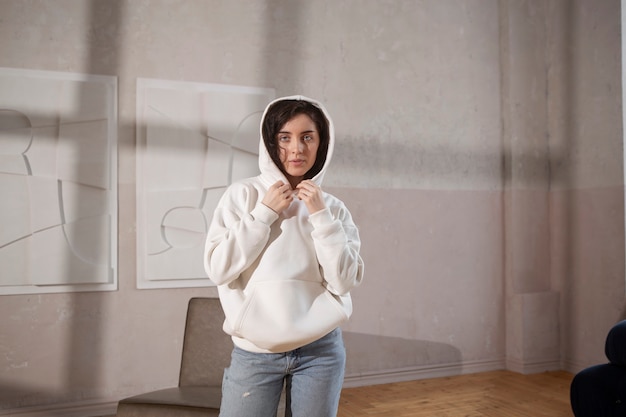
(615, 347)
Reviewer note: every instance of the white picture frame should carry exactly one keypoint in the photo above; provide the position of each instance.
(58, 181)
(193, 141)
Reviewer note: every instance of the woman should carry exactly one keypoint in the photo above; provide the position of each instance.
(285, 256)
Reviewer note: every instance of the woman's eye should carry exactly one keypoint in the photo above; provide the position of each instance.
(283, 138)
(307, 138)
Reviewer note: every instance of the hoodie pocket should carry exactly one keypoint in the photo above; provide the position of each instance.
(284, 315)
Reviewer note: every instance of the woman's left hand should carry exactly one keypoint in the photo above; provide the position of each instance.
(312, 196)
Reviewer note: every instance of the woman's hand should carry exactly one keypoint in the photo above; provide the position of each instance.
(312, 196)
(278, 197)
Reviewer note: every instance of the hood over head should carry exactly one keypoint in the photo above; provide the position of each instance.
(270, 172)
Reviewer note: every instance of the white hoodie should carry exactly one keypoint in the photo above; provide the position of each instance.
(283, 279)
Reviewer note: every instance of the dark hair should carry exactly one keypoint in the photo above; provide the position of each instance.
(280, 113)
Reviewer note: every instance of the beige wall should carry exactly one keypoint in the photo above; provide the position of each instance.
(479, 149)
(587, 186)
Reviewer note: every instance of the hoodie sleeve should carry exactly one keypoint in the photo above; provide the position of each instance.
(337, 245)
(236, 236)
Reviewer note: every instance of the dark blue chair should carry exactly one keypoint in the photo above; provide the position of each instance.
(600, 390)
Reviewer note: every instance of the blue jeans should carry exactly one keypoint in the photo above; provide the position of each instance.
(312, 376)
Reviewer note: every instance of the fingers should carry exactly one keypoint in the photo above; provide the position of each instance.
(311, 194)
(279, 187)
(278, 196)
(284, 190)
(308, 189)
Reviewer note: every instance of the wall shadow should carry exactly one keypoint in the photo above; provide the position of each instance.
(88, 310)
(374, 357)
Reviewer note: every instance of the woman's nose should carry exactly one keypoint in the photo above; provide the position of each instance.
(296, 146)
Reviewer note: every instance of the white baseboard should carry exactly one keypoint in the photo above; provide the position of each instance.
(533, 367)
(576, 366)
(82, 409)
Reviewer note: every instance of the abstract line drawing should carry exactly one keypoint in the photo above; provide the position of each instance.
(193, 141)
(58, 210)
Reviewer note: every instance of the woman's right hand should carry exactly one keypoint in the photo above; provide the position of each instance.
(278, 196)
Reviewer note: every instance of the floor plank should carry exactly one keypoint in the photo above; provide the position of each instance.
(488, 394)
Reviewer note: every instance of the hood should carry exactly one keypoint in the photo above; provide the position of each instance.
(270, 173)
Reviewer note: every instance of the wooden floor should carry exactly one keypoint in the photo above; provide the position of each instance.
(489, 394)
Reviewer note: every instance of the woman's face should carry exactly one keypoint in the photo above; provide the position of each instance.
(298, 141)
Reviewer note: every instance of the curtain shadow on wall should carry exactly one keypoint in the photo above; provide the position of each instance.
(568, 225)
(282, 63)
(87, 334)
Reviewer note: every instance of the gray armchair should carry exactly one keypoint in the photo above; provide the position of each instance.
(600, 390)
(206, 353)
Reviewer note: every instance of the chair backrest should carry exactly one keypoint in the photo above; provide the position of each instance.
(615, 344)
(206, 348)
